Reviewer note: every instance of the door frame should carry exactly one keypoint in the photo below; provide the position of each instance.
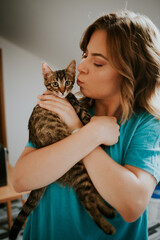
(3, 135)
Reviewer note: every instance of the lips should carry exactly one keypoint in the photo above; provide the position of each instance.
(79, 83)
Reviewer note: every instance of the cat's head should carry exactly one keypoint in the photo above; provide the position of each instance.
(59, 82)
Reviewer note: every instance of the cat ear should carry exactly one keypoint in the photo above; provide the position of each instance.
(46, 70)
(72, 68)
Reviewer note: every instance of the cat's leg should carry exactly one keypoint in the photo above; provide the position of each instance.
(83, 186)
(90, 199)
(27, 208)
(96, 207)
(79, 179)
(99, 219)
(106, 210)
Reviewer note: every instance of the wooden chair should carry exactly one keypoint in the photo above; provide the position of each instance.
(8, 194)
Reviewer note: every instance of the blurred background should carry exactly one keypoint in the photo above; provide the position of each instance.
(32, 31)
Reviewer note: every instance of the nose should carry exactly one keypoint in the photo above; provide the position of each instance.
(62, 90)
(82, 67)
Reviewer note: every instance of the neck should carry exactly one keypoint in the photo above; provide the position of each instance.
(107, 108)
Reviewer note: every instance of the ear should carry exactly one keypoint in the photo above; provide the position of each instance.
(72, 68)
(45, 69)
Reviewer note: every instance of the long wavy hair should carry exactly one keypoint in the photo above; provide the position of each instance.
(133, 47)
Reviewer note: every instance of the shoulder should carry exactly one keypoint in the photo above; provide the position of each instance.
(142, 120)
(141, 129)
(148, 123)
(143, 139)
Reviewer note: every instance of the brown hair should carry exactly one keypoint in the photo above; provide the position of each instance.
(133, 47)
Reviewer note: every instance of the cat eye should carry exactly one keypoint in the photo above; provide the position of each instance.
(68, 83)
(55, 84)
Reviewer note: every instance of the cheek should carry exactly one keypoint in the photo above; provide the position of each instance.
(107, 83)
(111, 78)
(117, 81)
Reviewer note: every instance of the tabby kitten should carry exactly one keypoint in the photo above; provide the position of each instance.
(46, 127)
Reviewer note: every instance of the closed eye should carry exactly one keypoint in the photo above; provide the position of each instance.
(84, 55)
(98, 65)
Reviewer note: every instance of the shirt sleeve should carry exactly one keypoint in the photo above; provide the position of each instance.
(30, 144)
(144, 149)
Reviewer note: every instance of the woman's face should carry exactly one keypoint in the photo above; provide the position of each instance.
(97, 78)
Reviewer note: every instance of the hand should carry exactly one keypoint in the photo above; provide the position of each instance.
(62, 107)
(108, 129)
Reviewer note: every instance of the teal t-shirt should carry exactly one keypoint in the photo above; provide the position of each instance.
(60, 215)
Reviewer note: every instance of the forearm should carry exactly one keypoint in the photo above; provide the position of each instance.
(41, 167)
(119, 186)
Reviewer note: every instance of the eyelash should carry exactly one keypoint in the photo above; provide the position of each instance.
(98, 65)
(85, 56)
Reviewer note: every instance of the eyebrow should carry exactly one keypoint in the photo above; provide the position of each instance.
(99, 55)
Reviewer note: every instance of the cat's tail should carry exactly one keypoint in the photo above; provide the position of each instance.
(27, 208)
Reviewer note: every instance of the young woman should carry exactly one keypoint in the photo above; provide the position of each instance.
(119, 75)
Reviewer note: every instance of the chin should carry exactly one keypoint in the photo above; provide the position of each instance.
(62, 95)
(85, 94)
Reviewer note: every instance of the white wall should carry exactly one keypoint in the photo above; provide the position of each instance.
(22, 83)
(50, 30)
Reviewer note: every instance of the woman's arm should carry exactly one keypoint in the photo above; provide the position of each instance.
(128, 189)
(38, 168)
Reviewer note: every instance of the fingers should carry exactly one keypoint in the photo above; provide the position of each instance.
(45, 100)
(52, 107)
(55, 107)
(48, 92)
(54, 104)
(114, 119)
(52, 98)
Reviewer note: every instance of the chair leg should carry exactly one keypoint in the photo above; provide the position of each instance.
(9, 211)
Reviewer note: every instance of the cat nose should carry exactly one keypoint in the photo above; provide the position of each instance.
(62, 90)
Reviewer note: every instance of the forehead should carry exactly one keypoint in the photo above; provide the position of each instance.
(60, 74)
(98, 43)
